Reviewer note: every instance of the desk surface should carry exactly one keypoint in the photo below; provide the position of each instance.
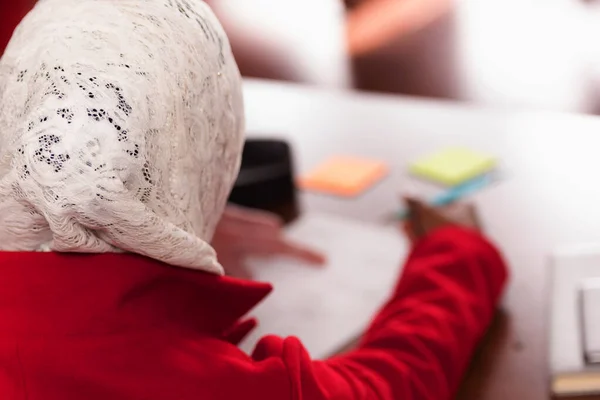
(550, 197)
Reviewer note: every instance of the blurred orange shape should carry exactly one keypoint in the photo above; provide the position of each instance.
(344, 176)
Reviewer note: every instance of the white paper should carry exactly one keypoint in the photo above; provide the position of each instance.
(329, 307)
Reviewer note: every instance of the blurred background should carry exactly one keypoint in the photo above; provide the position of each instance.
(540, 54)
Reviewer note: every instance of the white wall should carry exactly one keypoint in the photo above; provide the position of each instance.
(531, 53)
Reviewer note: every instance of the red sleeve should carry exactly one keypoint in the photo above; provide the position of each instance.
(11, 13)
(420, 343)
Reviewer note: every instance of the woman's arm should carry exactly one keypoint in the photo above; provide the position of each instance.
(419, 345)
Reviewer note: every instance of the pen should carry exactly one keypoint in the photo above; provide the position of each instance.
(455, 193)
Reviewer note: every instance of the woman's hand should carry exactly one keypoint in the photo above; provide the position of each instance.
(244, 232)
(423, 219)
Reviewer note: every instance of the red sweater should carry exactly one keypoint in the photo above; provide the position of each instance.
(122, 327)
(11, 13)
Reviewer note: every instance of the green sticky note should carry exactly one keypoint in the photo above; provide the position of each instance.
(453, 166)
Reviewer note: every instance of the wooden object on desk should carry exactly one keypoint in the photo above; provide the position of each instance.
(550, 197)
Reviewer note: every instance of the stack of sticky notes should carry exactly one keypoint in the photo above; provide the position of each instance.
(344, 176)
(453, 166)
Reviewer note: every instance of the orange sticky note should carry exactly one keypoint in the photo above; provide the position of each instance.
(344, 176)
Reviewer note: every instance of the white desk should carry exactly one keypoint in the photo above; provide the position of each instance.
(551, 197)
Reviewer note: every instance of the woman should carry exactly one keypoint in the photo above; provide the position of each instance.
(121, 129)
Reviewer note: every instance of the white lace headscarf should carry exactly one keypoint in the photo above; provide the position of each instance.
(121, 128)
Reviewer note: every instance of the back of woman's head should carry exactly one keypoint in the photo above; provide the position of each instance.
(121, 126)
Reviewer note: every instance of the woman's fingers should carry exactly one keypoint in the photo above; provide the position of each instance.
(277, 246)
(268, 242)
(464, 214)
(250, 232)
(415, 214)
(424, 218)
(409, 231)
(302, 253)
(236, 215)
